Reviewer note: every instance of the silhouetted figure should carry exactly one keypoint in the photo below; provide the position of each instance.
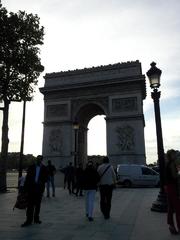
(107, 182)
(69, 176)
(79, 180)
(171, 187)
(34, 186)
(63, 170)
(50, 182)
(90, 180)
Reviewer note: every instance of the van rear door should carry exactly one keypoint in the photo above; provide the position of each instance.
(149, 177)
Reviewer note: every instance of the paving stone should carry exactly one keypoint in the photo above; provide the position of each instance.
(63, 218)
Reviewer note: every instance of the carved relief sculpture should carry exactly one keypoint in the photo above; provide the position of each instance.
(124, 104)
(55, 141)
(57, 110)
(125, 137)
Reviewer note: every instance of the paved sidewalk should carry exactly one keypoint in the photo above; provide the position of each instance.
(64, 218)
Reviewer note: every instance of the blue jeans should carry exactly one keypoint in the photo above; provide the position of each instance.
(89, 202)
(50, 182)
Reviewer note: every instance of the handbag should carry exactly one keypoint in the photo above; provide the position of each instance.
(21, 201)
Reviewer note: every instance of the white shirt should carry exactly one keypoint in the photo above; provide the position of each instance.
(109, 176)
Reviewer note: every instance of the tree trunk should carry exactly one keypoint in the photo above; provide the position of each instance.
(4, 147)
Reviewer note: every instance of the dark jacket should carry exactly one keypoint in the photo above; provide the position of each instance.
(30, 185)
(51, 170)
(79, 174)
(170, 173)
(90, 178)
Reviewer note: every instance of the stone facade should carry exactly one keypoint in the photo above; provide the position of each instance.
(116, 91)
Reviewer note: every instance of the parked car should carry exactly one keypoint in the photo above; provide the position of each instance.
(137, 175)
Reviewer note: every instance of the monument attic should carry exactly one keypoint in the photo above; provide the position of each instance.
(116, 91)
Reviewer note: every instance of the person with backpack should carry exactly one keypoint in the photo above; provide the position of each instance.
(106, 184)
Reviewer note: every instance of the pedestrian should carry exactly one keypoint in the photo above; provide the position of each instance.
(34, 187)
(63, 170)
(106, 185)
(171, 188)
(79, 180)
(51, 173)
(177, 163)
(90, 181)
(70, 177)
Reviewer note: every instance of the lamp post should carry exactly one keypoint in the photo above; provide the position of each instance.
(22, 141)
(76, 128)
(154, 74)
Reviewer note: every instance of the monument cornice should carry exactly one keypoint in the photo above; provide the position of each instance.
(94, 69)
(140, 79)
(125, 117)
(57, 123)
(93, 91)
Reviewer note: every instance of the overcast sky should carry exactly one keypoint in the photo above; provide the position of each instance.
(85, 33)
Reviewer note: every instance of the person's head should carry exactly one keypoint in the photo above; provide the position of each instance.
(70, 163)
(89, 164)
(105, 160)
(49, 162)
(39, 160)
(171, 155)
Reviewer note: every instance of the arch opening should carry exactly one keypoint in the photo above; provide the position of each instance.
(97, 136)
(83, 117)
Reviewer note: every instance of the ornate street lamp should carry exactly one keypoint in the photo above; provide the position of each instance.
(154, 74)
(76, 128)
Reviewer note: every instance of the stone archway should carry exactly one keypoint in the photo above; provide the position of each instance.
(116, 91)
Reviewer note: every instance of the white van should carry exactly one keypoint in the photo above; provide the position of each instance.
(132, 174)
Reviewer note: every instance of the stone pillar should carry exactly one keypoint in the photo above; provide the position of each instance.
(57, 143)
(82, 145)
(125, 130)
(57, 136)
(125, 141)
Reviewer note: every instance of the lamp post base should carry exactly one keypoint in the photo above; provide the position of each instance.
(160, 204)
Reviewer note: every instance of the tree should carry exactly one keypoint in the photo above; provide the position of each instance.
(13, 160)
(20, 38)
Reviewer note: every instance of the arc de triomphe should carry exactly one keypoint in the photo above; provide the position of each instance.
(116, 91)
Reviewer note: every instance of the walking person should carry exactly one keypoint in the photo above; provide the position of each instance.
(171, 188)
(50, 182)
(70, 177)
(34, 187)
(90, 181)
(107, 183)
(79, 180)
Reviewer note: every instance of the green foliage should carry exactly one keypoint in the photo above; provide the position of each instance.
(13, 160)
(20, 38)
